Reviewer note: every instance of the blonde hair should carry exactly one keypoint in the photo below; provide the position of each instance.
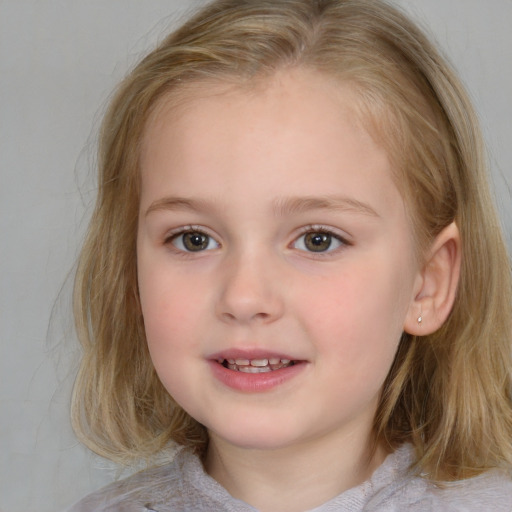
(448, 393)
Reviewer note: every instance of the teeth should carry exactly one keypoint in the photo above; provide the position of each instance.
(259, 362)
(256, 365)
(254, 369)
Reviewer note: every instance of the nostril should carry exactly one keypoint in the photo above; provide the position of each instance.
(252, 302)
(231, 317)
(261, 315)
(228, 316)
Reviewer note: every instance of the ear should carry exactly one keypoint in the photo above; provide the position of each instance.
(436, 284)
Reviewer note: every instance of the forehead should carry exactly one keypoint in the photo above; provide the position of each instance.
(313, 93)
(296, 126)
(285, 83)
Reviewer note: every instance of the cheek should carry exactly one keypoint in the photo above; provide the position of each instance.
(170, 305)
(358, 315)
(169, 317)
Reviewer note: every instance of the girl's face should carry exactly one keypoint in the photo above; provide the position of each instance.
(275, 261)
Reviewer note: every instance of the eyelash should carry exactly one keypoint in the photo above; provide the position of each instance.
(175, 235)
(312, 229)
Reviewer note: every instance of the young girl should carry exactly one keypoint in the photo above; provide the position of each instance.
(295, 273)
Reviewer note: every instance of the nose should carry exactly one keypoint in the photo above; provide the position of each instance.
(249, 292)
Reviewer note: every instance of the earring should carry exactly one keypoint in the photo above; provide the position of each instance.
(420, 318)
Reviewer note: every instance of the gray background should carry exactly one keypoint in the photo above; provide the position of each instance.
(59, 60)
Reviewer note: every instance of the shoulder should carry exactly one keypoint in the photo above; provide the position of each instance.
(139, 491)
(129, 494)
(401, 490)
(180, 486)
(489, 491)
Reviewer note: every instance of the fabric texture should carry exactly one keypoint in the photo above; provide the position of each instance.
(183, 486)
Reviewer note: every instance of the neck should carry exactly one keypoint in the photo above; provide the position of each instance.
(294, 478)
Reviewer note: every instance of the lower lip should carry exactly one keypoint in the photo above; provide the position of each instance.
(255, 382)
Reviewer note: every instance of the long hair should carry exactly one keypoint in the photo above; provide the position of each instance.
(449, 393)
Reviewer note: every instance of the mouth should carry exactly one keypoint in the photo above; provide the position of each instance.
(264, 365)
(255, 371)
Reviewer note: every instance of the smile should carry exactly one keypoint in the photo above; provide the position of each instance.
(256, 365)
(252, 371)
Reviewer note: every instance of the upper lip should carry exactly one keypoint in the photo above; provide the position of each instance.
(237, 353)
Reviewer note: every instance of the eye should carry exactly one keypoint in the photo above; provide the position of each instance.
(193, 241)
(318, 241)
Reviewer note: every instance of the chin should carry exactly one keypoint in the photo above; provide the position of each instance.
(258, 437)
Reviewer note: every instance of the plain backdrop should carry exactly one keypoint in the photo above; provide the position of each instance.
(59, 61)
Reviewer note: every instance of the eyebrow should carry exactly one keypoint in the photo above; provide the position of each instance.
(337, 203)
(281, 207)
(179, 203)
